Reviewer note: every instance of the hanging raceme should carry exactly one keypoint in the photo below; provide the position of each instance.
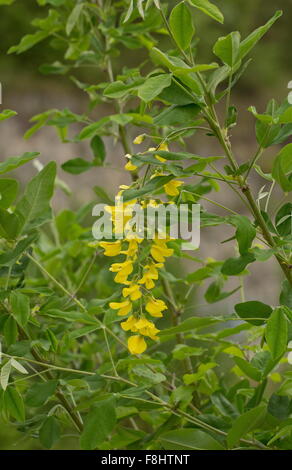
(138, 275)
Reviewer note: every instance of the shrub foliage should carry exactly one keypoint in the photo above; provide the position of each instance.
(205, 382)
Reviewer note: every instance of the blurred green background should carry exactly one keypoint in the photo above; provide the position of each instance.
(29, 92)
(270, 70)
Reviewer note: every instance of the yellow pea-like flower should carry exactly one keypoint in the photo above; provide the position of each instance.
(171, 187)
(132, 247)
(111, 248)
(147, 280)
(123, 307)
(130, 167)
(143, 323)
(121, 277)
(123, 270)
(137, 344)
(139, 139)
(150, 332)
(150, 274)
(146, 328)
(129, 324)
(155, 307)
(133, 292)
(125, 266)
(160, 251)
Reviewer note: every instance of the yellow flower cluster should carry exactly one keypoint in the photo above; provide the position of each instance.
(137, 303)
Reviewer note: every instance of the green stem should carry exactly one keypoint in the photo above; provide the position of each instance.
(251, 201)
(266, 233)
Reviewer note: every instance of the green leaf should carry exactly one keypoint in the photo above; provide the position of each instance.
(92, 129)
(73, 18)
(182, 351)
(248, 43)
(283, 220)
(98, 149)
(39, 393)
(6, 114)
(286, 294)
(16, 365)
(181, 25)
(9, 225)
(12, 163)
(129, 12)
(224, 406)
(266, 118)
(34, 207)
(76, 166)
(200, 274)
(5, 374)
(177, 115)
(245, 232)
(235, 266)
(283, 167)
(54, 68)
(174, 94)
(214, 292)
(200, 374)
(279, 406)
(233, 331)
(14, 404)
(284, 432)
(49, 432)
(231, 118)
(10, 331)
(217, 77)
(263, 362)
(8, 192)
(268, 131)
(252, 419)
(283, 134)
(20, 307)
(103, 196)
(286, 117)
(248, 369)
(189, 325)
(209, 9)
(10, 256)
(99, 423)
(180, 70)
(147, 375)
(227, 48)
(120, 89)
(277, 333)
(253, 309)
(153, 86)
(189, 439)
(29, 41)
(152, 185)
(70, 316)
(172, 156)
